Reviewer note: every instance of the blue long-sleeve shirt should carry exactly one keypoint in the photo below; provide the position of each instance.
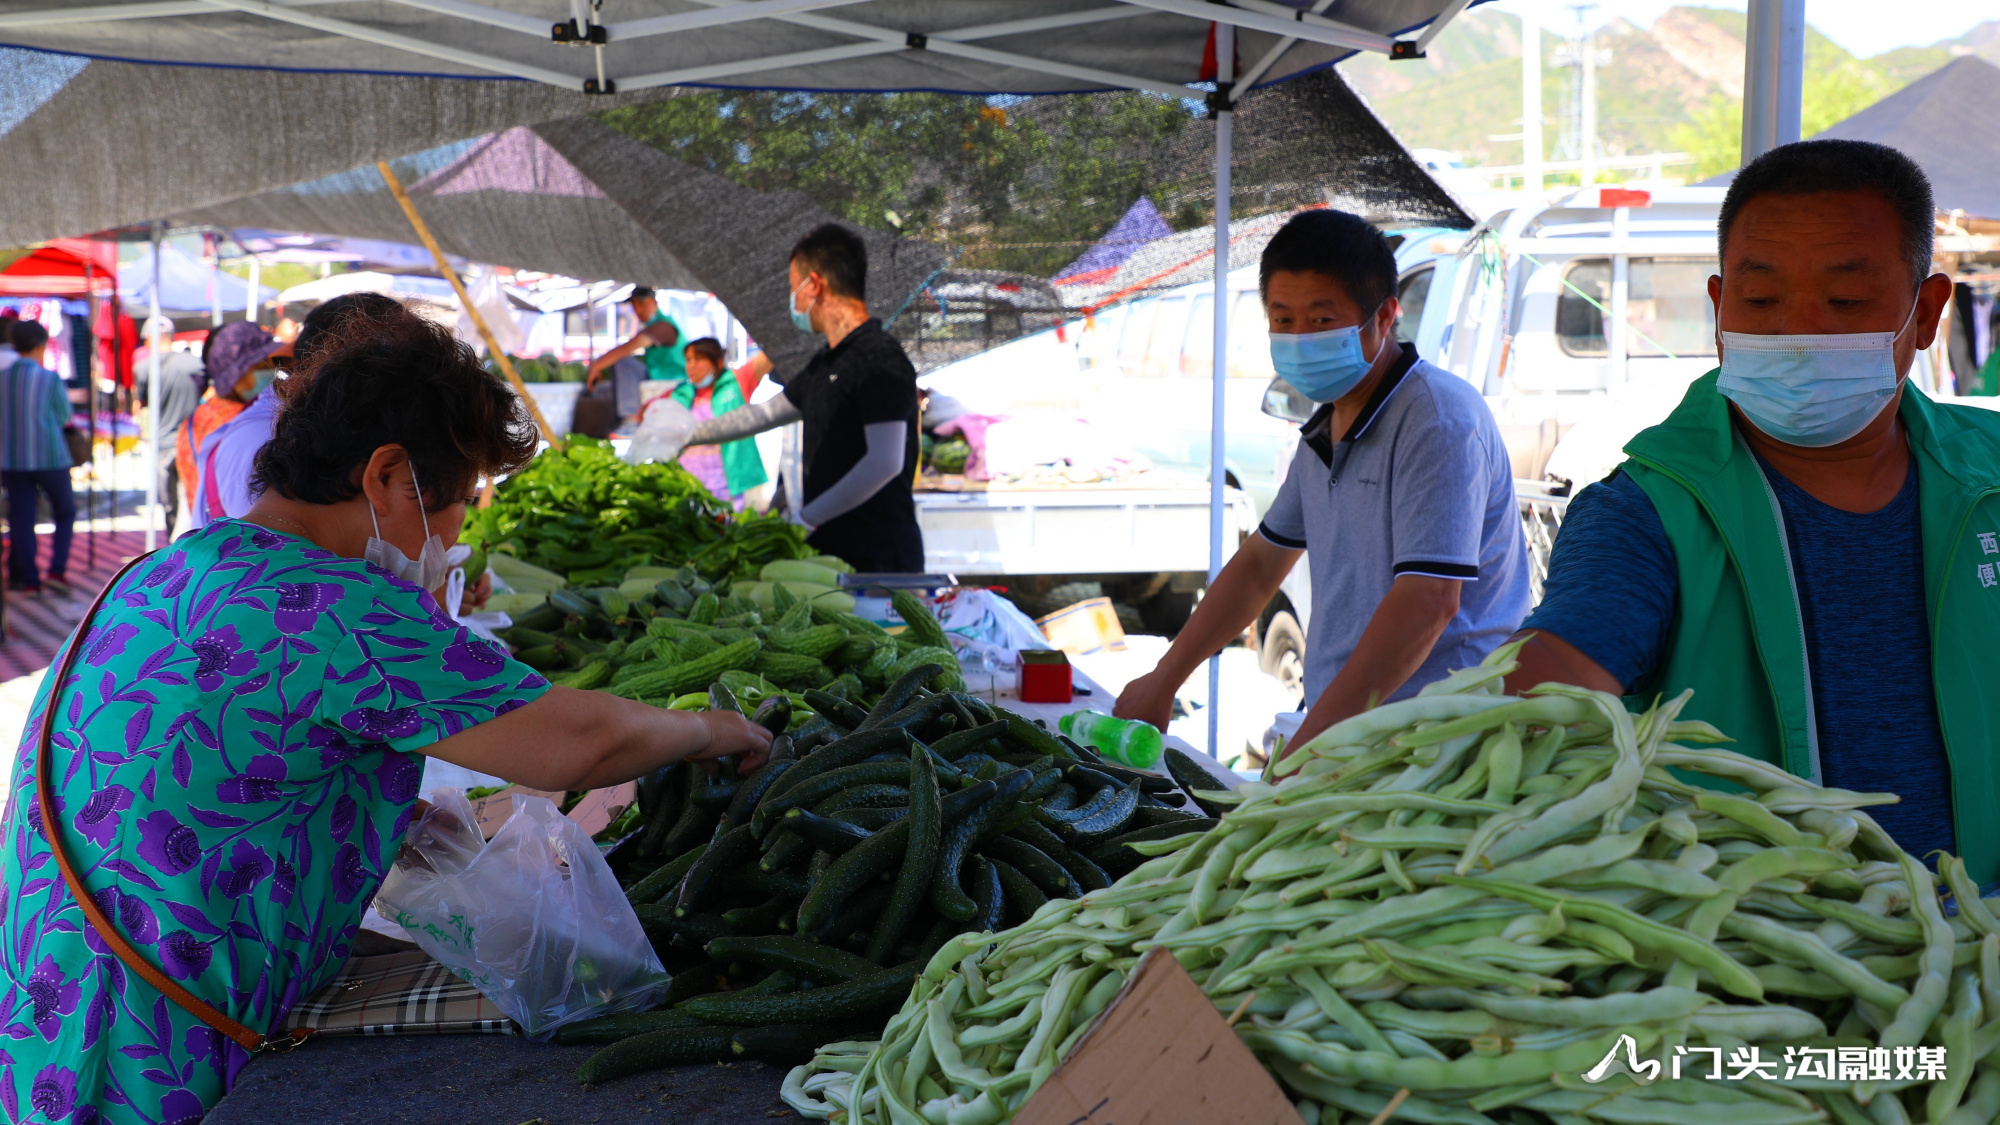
(34, 408)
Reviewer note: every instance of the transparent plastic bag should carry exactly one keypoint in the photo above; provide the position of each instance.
(663, 431)
(533, 918)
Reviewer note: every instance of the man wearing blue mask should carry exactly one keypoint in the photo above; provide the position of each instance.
(1400, 494)
(858, 399)
(1806, 542)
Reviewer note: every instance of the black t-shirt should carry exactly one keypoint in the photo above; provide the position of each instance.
(863, 380)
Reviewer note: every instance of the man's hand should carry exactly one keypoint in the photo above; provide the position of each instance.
(1149, 698)
(731, 733)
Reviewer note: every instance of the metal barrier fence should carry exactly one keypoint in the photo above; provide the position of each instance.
(1541, 517)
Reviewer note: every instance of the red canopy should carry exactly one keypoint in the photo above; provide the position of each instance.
(62, 268)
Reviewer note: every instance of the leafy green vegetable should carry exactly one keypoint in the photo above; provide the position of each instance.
(582, 513)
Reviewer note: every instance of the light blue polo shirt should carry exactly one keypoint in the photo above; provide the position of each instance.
(1421, 484)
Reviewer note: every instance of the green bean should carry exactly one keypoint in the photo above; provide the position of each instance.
(1503, 767)
(1641, 931)
(1806, 947)
(1933, 986)
(1465, 1072)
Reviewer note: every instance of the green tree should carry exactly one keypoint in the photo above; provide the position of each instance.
(983, 177)
(1837, 86)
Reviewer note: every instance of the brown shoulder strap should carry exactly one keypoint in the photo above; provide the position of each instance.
(107, 932)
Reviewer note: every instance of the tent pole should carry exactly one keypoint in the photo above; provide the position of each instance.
(1218, 378)
(252, 308)
(90, 404)
(153, 396)
(1773, 75)
(465, 300)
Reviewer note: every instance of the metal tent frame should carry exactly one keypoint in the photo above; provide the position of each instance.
(1167, 47)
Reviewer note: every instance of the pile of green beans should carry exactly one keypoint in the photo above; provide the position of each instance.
(1470, 897)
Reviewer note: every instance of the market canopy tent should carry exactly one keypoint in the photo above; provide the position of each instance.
(980, 47)
(575, 197)
(187, 285)
(65, 267)
(968, 47)
(1945, 122)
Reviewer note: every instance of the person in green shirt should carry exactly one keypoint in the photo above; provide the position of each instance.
(659, 337)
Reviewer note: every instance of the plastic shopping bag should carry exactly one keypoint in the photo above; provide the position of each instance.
(663, 431)
(533, 918)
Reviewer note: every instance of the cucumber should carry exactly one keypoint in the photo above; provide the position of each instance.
(858, 915)
(753, 879)
(1147, 816)
(788, 1044)
(1191, 775)
(1163, 801)
(752, 790)
(714, 796)
(849, 874)
(728, 851)
(695, 824)
(836, 836)
(816, 789)
(926, 827)
(825, 703)
(785, 848)
(1087, 873)
(692, 931)
(873, 819)
(988, 900)
(959, 743)
(762, 918)
(897, 694)
(847, 751)
(1098, 803)
(863, 797)
(1109, 819)
(1027, 736)
(664, 878)
(669, 803)
(808, 960)
(956, 806)
(1031, 861)
(674, 1046)
(947, 896)
(696, 979)
(870, 996)
(614, 1029)
(1023, 896)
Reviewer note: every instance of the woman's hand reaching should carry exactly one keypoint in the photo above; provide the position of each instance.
(730, 733)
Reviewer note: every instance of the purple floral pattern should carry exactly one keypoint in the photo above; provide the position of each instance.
(236, 754)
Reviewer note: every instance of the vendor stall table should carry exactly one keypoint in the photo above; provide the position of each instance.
(484, 1080)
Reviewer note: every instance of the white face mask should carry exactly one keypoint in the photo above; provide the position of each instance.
(428, 570)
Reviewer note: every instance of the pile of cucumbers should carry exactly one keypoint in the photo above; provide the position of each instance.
(795, 905)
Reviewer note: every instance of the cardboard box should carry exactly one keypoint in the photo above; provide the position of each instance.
(595, 812)
(1160, 1053)
(1086, 627)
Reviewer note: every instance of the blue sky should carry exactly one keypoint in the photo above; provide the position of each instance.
(1857, 25)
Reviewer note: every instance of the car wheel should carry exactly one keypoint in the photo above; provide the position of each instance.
(1282, 652)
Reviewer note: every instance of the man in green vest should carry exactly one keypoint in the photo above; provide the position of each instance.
(659, 337)
(1807, 542)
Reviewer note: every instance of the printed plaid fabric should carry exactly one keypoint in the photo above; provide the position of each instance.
(399, 994)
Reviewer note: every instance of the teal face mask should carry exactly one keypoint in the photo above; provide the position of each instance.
(1322, 365)
(1811, 391)
(800, 320)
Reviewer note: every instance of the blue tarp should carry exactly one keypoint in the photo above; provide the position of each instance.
(1140, 224)
(186, 284)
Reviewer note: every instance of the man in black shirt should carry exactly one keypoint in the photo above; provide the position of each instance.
(858, 399)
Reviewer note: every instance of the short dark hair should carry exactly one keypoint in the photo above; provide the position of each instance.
(1812, 167)
(641, 293)
(710, 349)
(27, 335)
(1341, 246)
(406, 382)
(336, 319)
(838, 255)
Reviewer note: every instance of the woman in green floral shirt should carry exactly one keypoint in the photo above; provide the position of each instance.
(236, 752)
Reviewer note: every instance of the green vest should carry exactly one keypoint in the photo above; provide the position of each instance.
(664, 361)
(1738, 639)
(742, 465)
